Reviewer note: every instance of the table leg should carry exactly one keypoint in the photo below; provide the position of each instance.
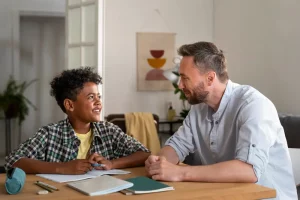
(171, 129)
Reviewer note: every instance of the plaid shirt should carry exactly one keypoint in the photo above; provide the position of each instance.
(58, 143)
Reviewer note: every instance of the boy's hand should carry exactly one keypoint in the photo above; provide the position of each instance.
(96, 158)
(79, 166)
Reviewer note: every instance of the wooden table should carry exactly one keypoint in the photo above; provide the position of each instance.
(183, 190)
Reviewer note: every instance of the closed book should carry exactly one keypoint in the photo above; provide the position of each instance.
(143, 185)
(101, 185)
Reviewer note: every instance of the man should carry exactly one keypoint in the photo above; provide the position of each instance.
(233, 130)
(72, 145)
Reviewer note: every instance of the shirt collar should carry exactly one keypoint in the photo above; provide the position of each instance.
(224, 101)
(69, 133)
(95, 130)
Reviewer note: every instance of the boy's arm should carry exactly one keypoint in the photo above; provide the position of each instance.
(136, 159)
(31, 166)
(33, 148)
(30, 157)
(133, 160)
(128, 152)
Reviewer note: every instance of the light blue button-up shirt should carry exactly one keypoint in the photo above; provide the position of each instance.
(245, 127)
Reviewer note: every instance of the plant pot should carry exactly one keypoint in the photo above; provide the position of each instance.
(12, 111)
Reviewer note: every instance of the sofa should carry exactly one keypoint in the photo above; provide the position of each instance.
(291, 126)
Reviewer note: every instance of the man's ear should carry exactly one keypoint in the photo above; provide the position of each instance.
(68, 104)
(211, 75)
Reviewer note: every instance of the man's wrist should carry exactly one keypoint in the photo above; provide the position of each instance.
(182, 173)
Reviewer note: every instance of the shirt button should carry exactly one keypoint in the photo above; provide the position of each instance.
(212, 143)
(253, 145)
(217, 122)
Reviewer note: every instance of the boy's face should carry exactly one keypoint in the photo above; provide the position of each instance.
(87, 106)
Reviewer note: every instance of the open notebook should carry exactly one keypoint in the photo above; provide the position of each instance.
(91, 174)
(101, 185)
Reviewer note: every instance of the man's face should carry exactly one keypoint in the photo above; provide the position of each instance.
(87, 106)
(192, 82)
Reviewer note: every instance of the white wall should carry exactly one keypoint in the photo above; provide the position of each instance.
(191, 20)
(9, 10)
(5, 37)
(261, 41)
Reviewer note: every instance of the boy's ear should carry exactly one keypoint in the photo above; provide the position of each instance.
(68, 105)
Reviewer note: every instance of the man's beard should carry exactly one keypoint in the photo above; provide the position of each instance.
(198, 95)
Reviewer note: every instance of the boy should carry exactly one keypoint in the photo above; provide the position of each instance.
(72, 145)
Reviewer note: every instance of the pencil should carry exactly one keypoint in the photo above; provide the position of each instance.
(98, 165)
(47, 185)
(44, 187)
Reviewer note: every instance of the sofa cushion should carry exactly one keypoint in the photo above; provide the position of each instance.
(291, 126)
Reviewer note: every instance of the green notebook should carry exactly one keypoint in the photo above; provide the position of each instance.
(143, 185)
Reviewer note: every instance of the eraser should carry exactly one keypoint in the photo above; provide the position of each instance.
(42, 192)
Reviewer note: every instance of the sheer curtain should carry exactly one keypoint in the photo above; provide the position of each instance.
(43, 38)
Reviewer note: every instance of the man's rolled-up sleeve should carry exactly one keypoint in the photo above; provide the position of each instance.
(182, 141)
(259, 126)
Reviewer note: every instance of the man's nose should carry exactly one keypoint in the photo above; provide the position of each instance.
(180, 84)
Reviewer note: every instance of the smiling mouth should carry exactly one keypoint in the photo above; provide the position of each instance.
(96, 110)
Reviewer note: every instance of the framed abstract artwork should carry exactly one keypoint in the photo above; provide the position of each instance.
(155, 54)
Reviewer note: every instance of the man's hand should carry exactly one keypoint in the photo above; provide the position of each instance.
(160, 169)
(150, 160)
(79, 166)
(96, 158)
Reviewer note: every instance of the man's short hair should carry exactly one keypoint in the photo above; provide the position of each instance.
(206, 57)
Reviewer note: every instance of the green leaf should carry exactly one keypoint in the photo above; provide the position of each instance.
(27, 85)
(182, 96)
(177, 90)
(176, 73)
(30, 103)
(175, 85)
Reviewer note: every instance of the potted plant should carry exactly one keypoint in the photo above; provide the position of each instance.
(13, 103)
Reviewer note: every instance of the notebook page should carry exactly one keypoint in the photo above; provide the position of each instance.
(109, 172)
(91, 174)
(65, 178)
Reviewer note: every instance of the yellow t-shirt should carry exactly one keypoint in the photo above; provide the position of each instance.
(86, 140)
